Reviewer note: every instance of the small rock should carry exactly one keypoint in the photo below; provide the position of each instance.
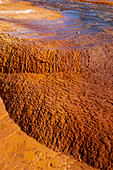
(78, 32)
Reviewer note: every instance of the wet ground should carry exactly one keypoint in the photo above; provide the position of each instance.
(78, 19)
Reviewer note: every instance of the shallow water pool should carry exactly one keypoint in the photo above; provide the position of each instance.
(78, 19)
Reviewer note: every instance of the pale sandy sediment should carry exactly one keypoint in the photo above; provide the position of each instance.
(18, 11)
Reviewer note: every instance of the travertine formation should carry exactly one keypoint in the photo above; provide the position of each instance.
(19, 151)
(59, 92)
(27, 56)
(64, 103)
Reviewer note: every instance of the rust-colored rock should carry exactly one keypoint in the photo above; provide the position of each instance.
(29, 57)
(25, 56)
(19, 151)
(72, 116)
(60, 92)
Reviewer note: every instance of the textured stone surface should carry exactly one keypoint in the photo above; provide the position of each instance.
(19, 55)
(19, 151)
(60, 93)
(64, 100)
(27, 56)
(73, 115)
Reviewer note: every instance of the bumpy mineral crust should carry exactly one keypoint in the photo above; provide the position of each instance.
(59, 92)
(62, 98)
(73, 117)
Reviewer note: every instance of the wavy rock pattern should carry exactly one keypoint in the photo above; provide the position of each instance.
(21, 57)
(18, 150)
(68, 117)
(67, 112)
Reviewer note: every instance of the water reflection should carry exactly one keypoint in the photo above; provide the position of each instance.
(79, 19)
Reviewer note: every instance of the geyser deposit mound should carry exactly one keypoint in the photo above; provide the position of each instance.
(58, 86)
(60, 108)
